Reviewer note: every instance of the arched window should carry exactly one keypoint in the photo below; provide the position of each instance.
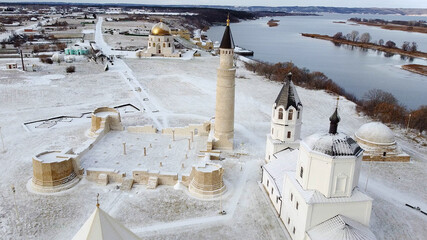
(158, 39)
(289, 134)
(280, 113)
(169, 45)
(154, 44)
(290, 114)
(149, 44)
(164, 44)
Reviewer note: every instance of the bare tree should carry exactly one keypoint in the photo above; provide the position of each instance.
(365, 38)
(414, 47)
(390, 44)
(338, 35)
(406, 46)
(354, 36)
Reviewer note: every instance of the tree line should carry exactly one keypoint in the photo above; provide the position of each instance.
(376, 103)
(366, 38)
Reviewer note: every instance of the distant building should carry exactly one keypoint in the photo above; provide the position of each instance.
(286, 121)
(77, 49)
(181, 32)
(160, 43)
(114, 10)
(11, 66)
(314, 188)
(379, 144)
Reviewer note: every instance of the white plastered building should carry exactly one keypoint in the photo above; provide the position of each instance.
(286, 120)
(314, 188)
(160, 42)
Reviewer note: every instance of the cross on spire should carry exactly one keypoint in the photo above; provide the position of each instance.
(97, 200)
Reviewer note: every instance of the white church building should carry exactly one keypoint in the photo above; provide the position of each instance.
(314, 188)
(285, 121)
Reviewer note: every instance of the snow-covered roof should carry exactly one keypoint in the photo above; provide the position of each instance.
(286, 160)
(333, 144)
(376, 133)
(101, 226)
(315, 197)
(288, 95)
(340, 228)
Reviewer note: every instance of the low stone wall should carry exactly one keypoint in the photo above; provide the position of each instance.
(389, 158)
(142, 129)
(196, 129)
(141, 176)
(92, 174)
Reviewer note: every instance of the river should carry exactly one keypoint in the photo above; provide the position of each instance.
(354, 69)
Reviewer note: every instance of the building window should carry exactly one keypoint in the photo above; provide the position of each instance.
(158, 40)
(289, 220)
(297, 114)
(292, 197)
(301, 172)
(293, 231)
(268, 157)
(384, 153)
(296, 206)
(167, 39)
(154, 44)
(280, 113)
(272, 190)
(272, 131)
(289, 134)
(290, 114)
(164, 44)
(268, 182)
(169, 45)
(277, 199)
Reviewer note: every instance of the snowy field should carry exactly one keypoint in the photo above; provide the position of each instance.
(179, 92)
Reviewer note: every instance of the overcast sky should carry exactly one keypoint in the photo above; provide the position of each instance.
(335, 3)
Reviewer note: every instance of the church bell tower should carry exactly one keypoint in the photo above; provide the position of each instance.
(225, 91)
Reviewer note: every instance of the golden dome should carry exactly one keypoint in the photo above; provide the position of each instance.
(160, 29)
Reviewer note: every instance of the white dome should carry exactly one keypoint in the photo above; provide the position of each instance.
(376, 133)
(333, 144)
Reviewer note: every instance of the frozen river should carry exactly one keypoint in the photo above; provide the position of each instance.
(356, 70)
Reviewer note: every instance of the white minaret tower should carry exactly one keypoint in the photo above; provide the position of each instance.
(286, 120)
(225, 91)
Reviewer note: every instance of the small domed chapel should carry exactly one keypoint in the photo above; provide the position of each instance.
(160, 42)
(312, 183)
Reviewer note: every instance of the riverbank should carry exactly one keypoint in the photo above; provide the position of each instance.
(372, 46)
(416, 68)
(394, 27)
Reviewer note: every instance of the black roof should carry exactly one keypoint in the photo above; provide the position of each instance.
(334, 120)
(227, 39)
(288, 96)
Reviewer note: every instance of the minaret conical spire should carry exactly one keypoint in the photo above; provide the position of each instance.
(227, 41)
(334, 120)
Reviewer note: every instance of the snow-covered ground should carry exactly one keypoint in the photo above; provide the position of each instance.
(179, 92)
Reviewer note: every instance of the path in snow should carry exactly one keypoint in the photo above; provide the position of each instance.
(127, 74)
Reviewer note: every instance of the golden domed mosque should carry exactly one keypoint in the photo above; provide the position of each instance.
(160, 42)
(379, 144)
